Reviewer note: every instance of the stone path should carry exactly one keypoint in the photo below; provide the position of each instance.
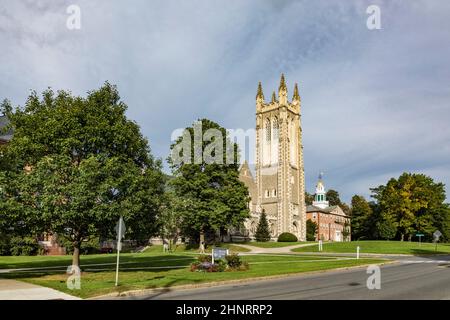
(18, 290)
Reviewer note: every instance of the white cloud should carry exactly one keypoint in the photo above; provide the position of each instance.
(375, 103)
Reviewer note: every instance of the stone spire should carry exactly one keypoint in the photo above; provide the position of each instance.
(282, 83)
(274, 97)
(282, 91)
(260, 94)
(296, 96)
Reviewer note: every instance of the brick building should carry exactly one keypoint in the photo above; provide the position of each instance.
(332, 222)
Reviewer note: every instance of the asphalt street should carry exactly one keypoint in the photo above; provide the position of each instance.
(410, 278)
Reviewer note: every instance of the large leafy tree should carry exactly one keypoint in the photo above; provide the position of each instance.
(206, 177)
(361, 213)
(170, 221)
(75, 165)
(333, 197)
(413, 203)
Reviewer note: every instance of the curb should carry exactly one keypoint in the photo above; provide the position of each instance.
(142, 292)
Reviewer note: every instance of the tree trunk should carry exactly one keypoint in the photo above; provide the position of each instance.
(202, 242)
(76, 254)
(402, 237)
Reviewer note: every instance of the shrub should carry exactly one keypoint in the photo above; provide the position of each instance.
(233, 261)
(26, 246)
(287, 237)
(204, 258)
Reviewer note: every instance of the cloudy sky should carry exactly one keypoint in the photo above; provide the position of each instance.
(375, 103)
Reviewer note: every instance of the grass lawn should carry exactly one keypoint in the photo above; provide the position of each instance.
(151, 270)
(272, 244)
(392, 247)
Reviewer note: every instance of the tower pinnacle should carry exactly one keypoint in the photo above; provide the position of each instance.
(282, 91)
(260, 94)
(282, 83)
(296, 96)
(274, 97)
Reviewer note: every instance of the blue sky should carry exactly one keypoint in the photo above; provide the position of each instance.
(375, 102)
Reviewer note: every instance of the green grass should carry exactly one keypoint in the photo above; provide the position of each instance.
(272, 244)
(388, 247)
(151, 270)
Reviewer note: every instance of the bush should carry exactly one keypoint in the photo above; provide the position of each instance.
(287, 237)
(26, 246)
(233, 261)
(204, 258)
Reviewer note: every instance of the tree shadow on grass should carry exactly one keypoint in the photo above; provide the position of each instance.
(157, 263)
(427, 253)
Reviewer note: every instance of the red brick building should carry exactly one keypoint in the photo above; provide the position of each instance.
(332, 223)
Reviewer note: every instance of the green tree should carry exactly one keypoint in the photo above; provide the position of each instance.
(333, 197)
(360, 213)
(386, 228)
(77, 164)
(334, 200)
(170, 219)
(205, 165)
(262, 231)
(414, 202)
(311, 230)
(309, 198)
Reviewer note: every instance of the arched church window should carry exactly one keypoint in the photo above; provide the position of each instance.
(268, 130)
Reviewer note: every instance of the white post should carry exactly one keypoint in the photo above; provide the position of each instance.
(212, 255)
(357, 252)
(119, 244)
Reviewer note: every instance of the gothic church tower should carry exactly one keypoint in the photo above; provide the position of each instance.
(280, 180)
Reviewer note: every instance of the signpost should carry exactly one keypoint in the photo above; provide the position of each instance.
(320, 245)
(120, 230)
(420, 235)
(219, 253)
(357, 252)
(436, 235)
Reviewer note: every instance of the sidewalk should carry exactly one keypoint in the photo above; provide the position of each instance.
(17, 290)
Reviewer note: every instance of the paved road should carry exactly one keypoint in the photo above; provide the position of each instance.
(410, 278)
